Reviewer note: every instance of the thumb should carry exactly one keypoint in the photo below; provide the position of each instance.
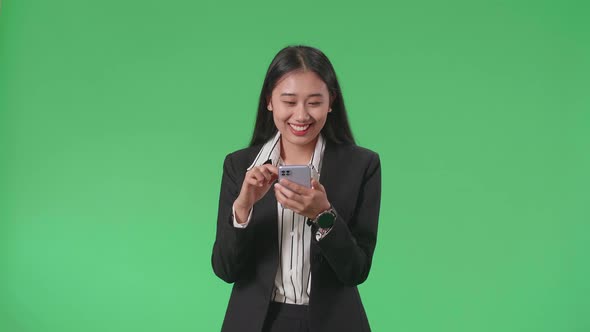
(316, 185)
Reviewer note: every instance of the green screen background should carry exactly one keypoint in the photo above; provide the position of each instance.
(115, 117)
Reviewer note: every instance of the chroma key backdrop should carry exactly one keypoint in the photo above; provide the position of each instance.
(115, 118)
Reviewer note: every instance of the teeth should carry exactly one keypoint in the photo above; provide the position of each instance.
(299, 128)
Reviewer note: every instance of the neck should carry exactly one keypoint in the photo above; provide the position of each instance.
(297, 154)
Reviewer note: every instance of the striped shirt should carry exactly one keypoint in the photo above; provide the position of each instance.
(293, 279)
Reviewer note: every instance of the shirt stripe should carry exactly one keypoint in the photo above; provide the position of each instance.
(293, 279)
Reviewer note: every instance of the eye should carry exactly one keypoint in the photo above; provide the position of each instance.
(315, 103)
(290, 103)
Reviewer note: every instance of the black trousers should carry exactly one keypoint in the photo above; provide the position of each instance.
(283, 317)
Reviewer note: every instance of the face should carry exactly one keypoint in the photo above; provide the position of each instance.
(300, 103)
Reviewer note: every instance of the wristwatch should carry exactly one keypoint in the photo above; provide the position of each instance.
(326, 219)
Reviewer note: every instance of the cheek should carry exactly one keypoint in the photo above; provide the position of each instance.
(320, 115)
(280, 115)
(278, 118)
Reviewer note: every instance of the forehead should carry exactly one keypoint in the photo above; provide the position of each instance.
(301, 83)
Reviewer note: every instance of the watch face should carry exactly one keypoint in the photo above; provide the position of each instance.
(326, 220)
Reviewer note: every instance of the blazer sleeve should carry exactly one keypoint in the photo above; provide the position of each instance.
(348, 247)
(232, 249)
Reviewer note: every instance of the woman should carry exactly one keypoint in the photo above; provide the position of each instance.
(296, 254)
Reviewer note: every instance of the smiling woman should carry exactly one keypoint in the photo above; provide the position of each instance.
(299, 107)
(296, 255)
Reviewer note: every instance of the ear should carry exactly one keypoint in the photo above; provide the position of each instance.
(269, 105)
(332, 98)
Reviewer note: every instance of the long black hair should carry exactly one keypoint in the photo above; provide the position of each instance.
(337, 128)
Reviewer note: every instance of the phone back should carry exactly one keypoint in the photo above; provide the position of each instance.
(300, 174)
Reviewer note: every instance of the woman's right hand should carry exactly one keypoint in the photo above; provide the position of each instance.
(257, 182)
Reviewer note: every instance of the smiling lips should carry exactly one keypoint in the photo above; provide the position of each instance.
(299, 130)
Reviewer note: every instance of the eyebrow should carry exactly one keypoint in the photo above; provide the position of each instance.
(294, 94)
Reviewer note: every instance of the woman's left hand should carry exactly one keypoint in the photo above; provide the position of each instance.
(305, 201)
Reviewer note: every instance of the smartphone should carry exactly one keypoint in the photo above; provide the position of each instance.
(300, 174)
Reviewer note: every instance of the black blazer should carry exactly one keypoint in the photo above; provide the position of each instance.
(248, 257)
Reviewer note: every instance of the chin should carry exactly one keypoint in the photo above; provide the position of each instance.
(300, 140)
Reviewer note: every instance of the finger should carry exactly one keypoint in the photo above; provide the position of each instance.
(295, 201)
(258, 178)
(252, 180)
(299, 189)
(315, 184)
(267, 175)
(287, 202)
(262, 171)
(280, 197)
(285, 191)
(272, 169)
(273, 172)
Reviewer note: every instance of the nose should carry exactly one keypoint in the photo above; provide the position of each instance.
(301, 114)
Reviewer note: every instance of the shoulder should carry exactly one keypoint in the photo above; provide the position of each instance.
(355, 153)
(358, 150)
(348, 161)
(241, 159)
